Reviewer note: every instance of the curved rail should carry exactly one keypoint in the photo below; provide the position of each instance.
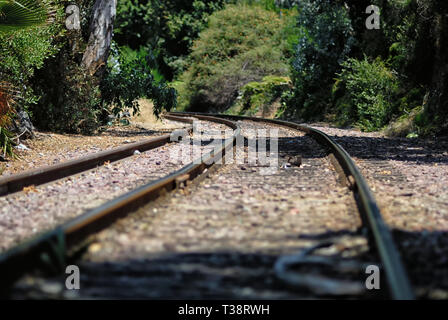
(49, 250)
(399, 284)
(39, 176)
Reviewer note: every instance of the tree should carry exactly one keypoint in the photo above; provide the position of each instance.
(69, 82)
(101, 28)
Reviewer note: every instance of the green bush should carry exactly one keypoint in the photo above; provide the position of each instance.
(325, 38)
(70, 98)
(266, 4)
(242, 44)
(25, 43)
(259, 96)
(412, 40)
(132, 76)
(370, 89)
(21, 53)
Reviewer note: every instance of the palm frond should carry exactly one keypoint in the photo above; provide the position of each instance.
(18, 14)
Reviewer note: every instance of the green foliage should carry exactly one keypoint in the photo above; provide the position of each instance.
(21, 53)
(291, 32)
(74, 101)
(24, 50)
(130, 79)
(6, 108)
(69, 98)
(407, 124)
(325, 38)
(424, 123)
(259, 96)
(242, 44)
(126, 55)
(370, 90)
(6, 144)
(81, 103)
(24, 45)
(265, 4)
(407, 39)
(165, 27)
(73, 105)
(413, 40)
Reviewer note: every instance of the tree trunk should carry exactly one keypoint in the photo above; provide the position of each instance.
(101, 28)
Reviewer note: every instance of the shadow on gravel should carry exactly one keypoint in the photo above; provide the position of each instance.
(399, 149)
(216, 275)
(425, 255)
(237, 275)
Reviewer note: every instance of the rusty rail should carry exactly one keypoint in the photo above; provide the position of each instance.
(398, 281)
(49, 250)
(39, 176)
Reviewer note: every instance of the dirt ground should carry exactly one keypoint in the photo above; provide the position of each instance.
(50, 148)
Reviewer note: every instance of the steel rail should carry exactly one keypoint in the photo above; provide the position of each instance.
(39, 176)
(399, 284)
(49, 250)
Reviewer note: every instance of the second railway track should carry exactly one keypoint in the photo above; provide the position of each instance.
(241, 233)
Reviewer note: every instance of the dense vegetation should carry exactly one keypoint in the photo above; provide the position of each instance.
(307, 59)
(25, 43)
(165, 28)
(43, 65)
(242, 44)
(325, 38)
(396, 72)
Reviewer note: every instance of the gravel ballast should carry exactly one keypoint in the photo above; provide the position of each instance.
(37, 209)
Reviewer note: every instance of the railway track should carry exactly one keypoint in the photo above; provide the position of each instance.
(52, 249)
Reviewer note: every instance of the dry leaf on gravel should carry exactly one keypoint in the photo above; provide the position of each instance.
(30, 189)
